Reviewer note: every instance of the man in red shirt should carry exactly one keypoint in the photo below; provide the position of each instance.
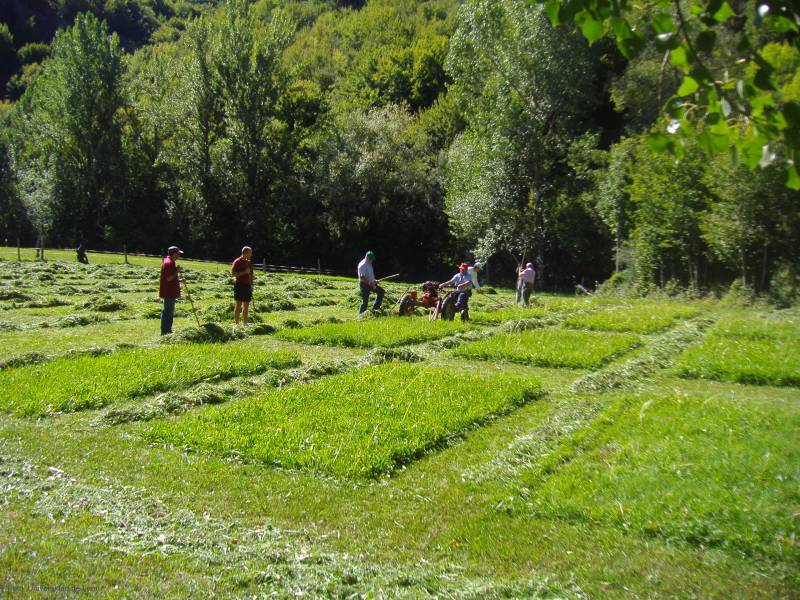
(169, 287)
(242, 269)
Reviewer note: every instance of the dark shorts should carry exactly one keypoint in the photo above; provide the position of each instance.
(242, 292)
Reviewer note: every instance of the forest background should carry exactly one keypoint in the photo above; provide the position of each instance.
(430, 131)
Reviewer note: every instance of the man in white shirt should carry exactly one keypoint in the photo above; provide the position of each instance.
(368, 284)
(473, 272)
(527, 277)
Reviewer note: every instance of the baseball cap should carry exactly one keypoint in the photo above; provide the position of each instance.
(173, 250)
(463, 266)
(478, 265)
(370, 254)
(529, 265)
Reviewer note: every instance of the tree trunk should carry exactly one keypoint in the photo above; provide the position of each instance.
(764, 267)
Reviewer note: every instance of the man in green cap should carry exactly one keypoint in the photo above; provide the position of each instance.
(366, 279)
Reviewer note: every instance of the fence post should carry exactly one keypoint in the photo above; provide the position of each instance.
(125, 250)
(264, 265)
(319, 266)
(19, 251)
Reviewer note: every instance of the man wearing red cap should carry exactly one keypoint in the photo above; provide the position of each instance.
(462, 281)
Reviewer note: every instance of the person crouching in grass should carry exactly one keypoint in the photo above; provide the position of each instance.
(242, 270)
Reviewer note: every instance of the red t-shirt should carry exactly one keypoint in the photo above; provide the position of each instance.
(243, 270)
(169, 289)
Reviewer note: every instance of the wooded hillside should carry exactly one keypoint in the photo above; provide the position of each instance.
(429, 131)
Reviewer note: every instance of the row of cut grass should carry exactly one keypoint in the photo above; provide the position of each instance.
(639, 318)
(76, 383)
(707, 470)
(368, 333)
(756, 361)
(357, 424)
(551, 347)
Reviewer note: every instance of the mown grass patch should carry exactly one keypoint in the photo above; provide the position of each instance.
(551, 347)
(758, 361)
(83, 382)
(358, 424)
(642, 318)
(369, 333)
(711, 471)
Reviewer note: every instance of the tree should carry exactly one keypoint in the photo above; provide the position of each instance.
(73, 121)
(526, 90)
(728, 98)
(247, 63)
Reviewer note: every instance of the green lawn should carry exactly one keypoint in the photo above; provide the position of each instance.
(368, 333)
(551, 347)
(711, 471)
(329, 467)
(762, 361)
(358, 424)
(77, 383)
(637, 318)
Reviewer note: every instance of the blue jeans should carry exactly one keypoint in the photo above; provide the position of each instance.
(167, 314)
(365, 292)
(462, 302)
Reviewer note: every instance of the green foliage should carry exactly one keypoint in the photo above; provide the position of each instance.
(387, 332)
(358, 425)
(74, 130)
(638, 318)
(551, 348)
(87, 382)
(728, 97)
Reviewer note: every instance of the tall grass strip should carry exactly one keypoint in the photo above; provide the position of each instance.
(175, 403)
(759, 326)
(638, 318)
(742, 360)
(369, 333)
(551, 347)
(70, 384)
(359, 424)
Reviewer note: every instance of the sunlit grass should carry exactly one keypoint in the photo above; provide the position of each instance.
(76, 383)
(358, 424)
(367, 333)
(707, 470)
(638, 318)
(551, 347)
(762, 361)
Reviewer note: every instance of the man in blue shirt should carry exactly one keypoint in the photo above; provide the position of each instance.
(462, 282)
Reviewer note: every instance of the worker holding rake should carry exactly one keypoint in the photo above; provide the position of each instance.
(242, 270)
(169, 288)
(368, 283)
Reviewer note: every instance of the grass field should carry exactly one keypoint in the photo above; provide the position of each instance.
(580, 448)
(551, 348)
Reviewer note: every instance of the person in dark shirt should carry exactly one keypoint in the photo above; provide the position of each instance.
(81, 252)
(242, 270)
(169, 287)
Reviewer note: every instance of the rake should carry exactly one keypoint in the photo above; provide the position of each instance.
(191, 301)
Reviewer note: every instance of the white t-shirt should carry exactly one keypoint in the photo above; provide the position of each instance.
(365, 271)
(474, 275)
(528, 275)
